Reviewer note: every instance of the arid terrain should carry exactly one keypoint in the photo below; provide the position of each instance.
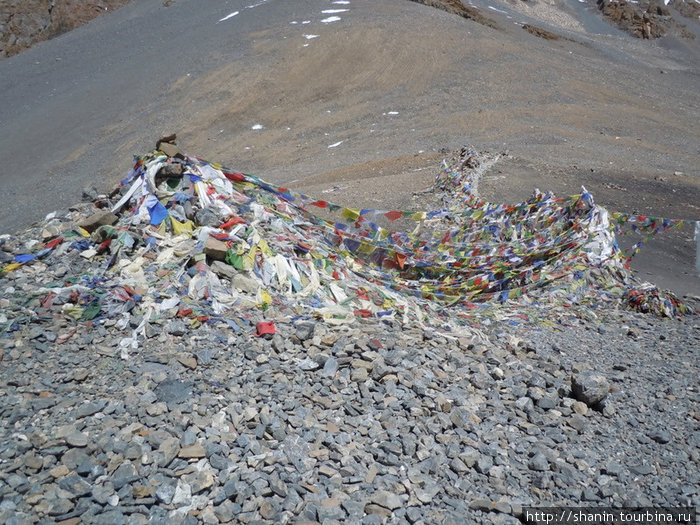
(613, 113)
(161, 366)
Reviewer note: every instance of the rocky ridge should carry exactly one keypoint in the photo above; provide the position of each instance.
(650, 19)
(24, 23)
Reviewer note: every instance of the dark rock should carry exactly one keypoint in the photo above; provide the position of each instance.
(590, 387)
(75, 485)
(538, 463)
(173, 391)
(206, 217)
(660, 436)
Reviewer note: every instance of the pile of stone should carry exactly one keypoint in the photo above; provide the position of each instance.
(375, 423)
(302, 421)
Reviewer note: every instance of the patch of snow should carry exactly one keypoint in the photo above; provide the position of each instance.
(498, 10)
(310, 37)
(257, 127)
(333, 11)
(336, 144)
(330, 19)
(229, 16)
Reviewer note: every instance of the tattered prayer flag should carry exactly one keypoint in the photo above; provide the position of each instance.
(265, 328)
(400, 259)
(232, 222)
(234, 177)
(349, 214)
(54, 243)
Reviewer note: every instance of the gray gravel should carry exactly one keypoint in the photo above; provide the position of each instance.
(370, 423)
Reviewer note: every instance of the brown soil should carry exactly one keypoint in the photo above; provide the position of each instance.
(24, 23)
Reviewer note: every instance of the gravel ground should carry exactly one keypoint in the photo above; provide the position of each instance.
(376, 423)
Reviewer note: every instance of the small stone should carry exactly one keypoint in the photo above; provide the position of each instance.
(525, 404)
(173, 391)
(589, 387)
(204, 356)
(330, 367)
(373, 508)
(305, 331)
(546, 403)
(223, 269)
(157, 409)
(481, 504)
(88, 409)
(176, 328)
(60, 506)
(187, 362)
(538, 463)
(225, 512)
(80, 374)
(327, 471)
(577, 422)
(94, 221)
(169, 449)
(215, 248)
(608, 408)
(199, 481)
(75, 485)
(193, 451)
(386, 499)
(580, 408)
(206, 217)
(244, 283)
(359, 375)
(188, 438)
(642, 469)
(458, 466)
(660, 436)
(413, 514)
(267, 510)
(308, 365)
(460, 418)
(484, 464)
(69, 521)
(77, 439)
(183, 494)
(230, 488)
(59, 471)
(142, 491)
(33, 462)
(165, 493)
